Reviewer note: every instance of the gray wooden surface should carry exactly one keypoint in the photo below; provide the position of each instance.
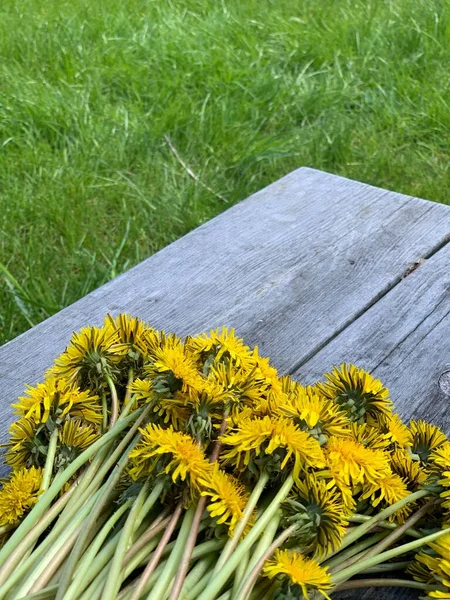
(315, 269)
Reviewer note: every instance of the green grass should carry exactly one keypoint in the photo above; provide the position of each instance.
(247, 90)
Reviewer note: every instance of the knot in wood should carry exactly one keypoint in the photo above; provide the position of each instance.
(444, 382)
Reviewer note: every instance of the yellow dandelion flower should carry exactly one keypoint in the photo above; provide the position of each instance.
(318, 416)
(257, 437)
(354, 462)
(170, 452)
(56, 399)
(408, 469)
(440, 457)
(235, 386)
(425, 439)
(268, 374)
(173, 369)
(129, 329)
(357, 392)
(369, 436)
(219, 345)
(299, 571)
(74, 437)
(267, 406)
(92, 353)
(388, 490)
(227, 498)
(420, 572)
(142, 390)
(335, 480)
(19, 494)
(27, 444)
(134, 336)
(438, 564)
(320, 513)
(398, 433)
(173, 411)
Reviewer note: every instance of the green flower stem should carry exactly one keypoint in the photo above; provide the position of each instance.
(240, 573)
(265, 540)
(134, 559)
(82, 485)
(115, 576)
(47, 594)
(270, 593)
(386, 525)
(81, 543)
(346, 555)
(400, 531)
(22, 548)
(150, 502)
(114, 401)
(130, 381)
(94, 591)
(349, 572)
(47, 497)
(61, 525)
(381, 516)
(98, 571)
(105, 462)
(121, 452)
(205, 549)
(126, 592)
(386, 568)
(118, 452)
(153, 563)
(148, 535)
(218, 580)
(141, 559)
(240, 527)
(225, 596)
(45, 559)
(94, 549)
(46, 568)
(99, 568)
(195, 574)
(254, 573)
(185, 560)
(105, 413)
(199, 587)
(127, 409)
(175, 556)
(366, 583)
(183, 567)
(49, 460)
(24, 569)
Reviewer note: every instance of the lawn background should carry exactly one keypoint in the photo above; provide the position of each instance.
(247, 90)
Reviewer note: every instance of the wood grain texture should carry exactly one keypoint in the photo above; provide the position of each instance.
(290, 268)
(312, 269)
(404, 339)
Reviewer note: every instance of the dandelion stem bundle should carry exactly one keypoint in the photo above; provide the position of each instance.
(147, 467)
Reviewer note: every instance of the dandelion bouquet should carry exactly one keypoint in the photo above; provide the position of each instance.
(150, 467)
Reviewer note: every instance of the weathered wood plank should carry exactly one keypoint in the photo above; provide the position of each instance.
(290, 268)
(404, 339)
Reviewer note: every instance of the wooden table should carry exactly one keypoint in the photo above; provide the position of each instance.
(314, 269)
